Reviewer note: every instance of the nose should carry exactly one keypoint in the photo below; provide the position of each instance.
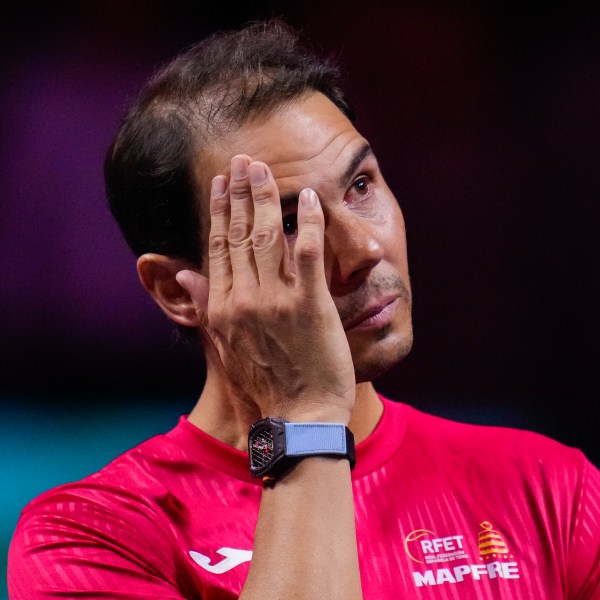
(353, 246)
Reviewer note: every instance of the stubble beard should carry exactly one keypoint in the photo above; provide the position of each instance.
(392, 352)
(390, 344)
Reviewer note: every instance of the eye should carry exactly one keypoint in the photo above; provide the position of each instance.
(290, 224)
(360, 190)
(361, 185)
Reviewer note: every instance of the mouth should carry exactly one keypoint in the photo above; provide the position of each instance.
(376, 316)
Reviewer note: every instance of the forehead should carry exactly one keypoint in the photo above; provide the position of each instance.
(309, 142)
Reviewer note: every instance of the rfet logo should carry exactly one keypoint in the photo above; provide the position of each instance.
(424, 546)
(427, 548)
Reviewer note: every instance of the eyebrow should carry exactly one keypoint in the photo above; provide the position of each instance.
(362, 153)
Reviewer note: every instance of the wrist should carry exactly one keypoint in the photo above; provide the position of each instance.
(323, 411)
(276, 445)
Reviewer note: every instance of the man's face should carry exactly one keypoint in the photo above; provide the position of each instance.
(311, 143)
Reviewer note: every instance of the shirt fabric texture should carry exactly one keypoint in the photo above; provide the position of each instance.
(444, 510)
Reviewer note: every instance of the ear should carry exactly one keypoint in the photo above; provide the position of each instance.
(157, 274)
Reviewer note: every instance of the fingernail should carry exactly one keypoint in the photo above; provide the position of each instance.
(257, 173)
(219, 186)
(308, 197)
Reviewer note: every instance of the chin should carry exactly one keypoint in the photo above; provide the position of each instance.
(376, 358)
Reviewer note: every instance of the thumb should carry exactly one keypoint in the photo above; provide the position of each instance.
(196, 286)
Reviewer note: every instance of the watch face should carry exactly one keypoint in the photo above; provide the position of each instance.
(261, 448)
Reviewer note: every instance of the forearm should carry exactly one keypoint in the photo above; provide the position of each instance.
(275, 328)
(305, 541)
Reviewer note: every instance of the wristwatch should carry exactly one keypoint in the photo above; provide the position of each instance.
(276, 445)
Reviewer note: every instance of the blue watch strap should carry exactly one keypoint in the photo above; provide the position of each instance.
(305, 439)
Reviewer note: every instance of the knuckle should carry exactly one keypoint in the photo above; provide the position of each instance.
(239, 190)
(308, 250)
(262, 194)
(218, 245)
(219, 206)
(214, 316)
(282, 312)
(238, 233)
(263, 237)
(217, 316)
(313, 218)
(243, 309)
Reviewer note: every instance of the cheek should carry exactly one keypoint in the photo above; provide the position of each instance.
(388, 229)
(391, 230)
(393, 240)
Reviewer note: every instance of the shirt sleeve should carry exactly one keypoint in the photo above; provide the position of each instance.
(72, 545)
(584, 554)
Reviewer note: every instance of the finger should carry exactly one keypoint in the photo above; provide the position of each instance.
(268, 240)
(219, 262)
(197, 287)
(309, 247)
(240, 225)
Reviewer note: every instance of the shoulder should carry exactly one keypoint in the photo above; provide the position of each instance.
(490, 446)
(111, 526)
(125, 506)
(127, 490)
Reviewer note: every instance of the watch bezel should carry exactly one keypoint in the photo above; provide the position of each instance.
(278, 462)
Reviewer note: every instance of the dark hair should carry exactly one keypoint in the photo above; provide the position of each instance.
(215, 86)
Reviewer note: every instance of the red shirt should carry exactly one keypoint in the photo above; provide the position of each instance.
(443, 509)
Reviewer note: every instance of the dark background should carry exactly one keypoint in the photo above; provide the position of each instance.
(485, 117)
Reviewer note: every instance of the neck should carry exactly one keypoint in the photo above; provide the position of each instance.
(225, 415)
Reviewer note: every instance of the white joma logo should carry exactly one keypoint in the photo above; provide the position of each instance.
(233, 558)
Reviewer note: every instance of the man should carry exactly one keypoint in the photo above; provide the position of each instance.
(263, 226)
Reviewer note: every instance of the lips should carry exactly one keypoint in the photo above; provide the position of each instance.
(376, 316)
